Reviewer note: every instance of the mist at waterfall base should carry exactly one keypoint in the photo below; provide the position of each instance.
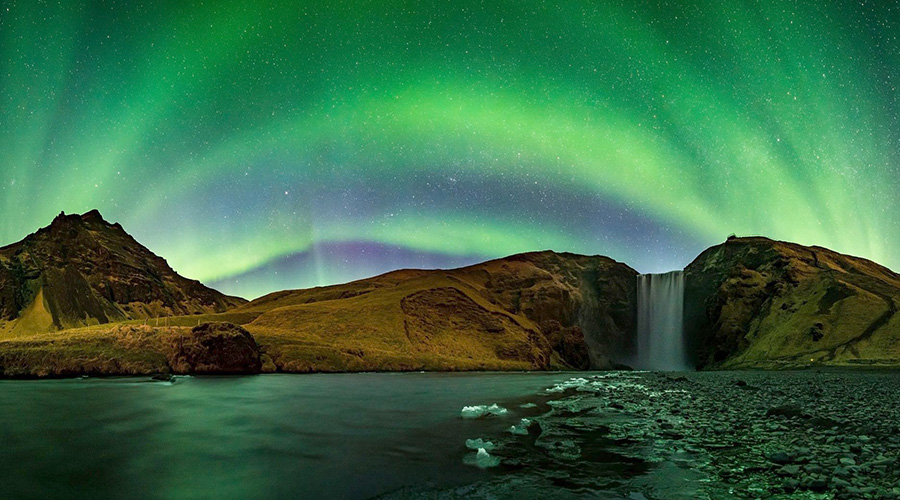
(660, 325)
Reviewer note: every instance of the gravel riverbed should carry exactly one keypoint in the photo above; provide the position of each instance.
(646, 436)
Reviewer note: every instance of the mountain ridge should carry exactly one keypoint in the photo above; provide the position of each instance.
(547, 301)
(82, 270)
(81, 296)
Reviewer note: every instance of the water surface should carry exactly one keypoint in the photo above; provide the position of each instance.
(267, 436)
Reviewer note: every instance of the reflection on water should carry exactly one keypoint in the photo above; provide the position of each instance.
(270, 436)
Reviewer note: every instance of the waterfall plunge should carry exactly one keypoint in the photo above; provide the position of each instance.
(661, 344)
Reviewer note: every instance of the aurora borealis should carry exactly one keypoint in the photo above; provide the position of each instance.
(267, 145)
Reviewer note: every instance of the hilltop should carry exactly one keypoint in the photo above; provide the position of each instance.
(531, 311)
(760, 303)
(82, 270)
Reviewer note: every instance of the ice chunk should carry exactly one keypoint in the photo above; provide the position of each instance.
(521, 429)
(482, 459)
(528, 405)
(609, 382)
(496, 410)
(568, 384)
(472, 411)
(475, 444)
(479, 411)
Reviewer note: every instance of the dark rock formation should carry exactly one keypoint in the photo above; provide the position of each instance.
(755, 302)
(82, 270)
(217, 348)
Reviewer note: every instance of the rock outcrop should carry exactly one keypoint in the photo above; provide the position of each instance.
(755, 302)
(81, 270)
(217, 347)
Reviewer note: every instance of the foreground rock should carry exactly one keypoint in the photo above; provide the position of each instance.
(755, 302)
(217, 348)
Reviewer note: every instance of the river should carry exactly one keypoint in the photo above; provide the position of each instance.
(267, 436)
(606, 435)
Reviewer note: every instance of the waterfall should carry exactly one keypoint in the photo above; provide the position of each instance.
(661, 344)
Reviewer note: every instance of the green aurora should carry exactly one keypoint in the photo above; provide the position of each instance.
(265, 145)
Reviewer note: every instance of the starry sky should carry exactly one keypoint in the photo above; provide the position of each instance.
(263, 145)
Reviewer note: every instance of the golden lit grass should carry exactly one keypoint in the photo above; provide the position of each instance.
(101, 349)
(430, 322)
(836, 310)
(35, 318)
(236, 317)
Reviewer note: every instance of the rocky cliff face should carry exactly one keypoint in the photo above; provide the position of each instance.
(82, 270)
(755, 302)
(585, 306)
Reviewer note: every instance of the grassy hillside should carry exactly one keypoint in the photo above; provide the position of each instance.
(754, 302)
(530, 311)
(527, 312)
(431, 323)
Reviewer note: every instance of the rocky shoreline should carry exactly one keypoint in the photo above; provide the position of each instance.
(645, 435)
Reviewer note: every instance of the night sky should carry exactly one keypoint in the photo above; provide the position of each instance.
(268, 145)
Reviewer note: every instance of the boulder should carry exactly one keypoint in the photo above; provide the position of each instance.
(217, 348)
